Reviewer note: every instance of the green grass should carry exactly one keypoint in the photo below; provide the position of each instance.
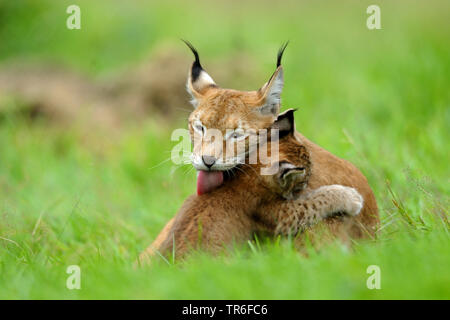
(377, 98)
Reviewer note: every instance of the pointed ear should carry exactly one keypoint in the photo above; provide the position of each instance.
(199, 81)
(271, 90)
(271, 94)
(285, 123)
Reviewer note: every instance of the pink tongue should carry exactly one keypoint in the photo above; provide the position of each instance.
(208, 180)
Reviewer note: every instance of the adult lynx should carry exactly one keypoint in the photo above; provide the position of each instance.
(249, 202)
(249, 111)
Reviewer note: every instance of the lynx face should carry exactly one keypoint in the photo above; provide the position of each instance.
(290, 179)
(293, 164)
(225, 123)
(225, 127)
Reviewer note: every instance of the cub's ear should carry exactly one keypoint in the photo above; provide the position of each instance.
(199, 81)
(271, 91)
(285, 123)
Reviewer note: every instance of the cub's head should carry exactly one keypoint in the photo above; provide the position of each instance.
(224, 118)
(292, 166)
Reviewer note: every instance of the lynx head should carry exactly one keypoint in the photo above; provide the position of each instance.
(233, 116)
(292, 166)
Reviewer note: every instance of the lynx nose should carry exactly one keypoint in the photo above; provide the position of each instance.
(208, 161)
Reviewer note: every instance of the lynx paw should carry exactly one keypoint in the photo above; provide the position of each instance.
(346, 199)
(353, 201)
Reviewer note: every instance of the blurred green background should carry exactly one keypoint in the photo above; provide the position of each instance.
(85, 123)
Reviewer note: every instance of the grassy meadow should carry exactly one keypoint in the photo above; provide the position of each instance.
(96, 196)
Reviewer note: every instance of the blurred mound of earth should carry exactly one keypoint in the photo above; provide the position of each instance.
(154, 88)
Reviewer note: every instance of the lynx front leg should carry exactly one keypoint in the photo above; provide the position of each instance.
(316, 205)
(149, 253)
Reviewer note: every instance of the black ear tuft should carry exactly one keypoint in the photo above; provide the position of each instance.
(196, 66)
(280, 53)
(285, 123)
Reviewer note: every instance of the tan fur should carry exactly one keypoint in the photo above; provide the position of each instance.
(251, 203)
(225, 108)
(328, 169)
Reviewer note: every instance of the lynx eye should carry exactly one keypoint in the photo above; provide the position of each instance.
(237, 135)
(198, 127)
(287, 167)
